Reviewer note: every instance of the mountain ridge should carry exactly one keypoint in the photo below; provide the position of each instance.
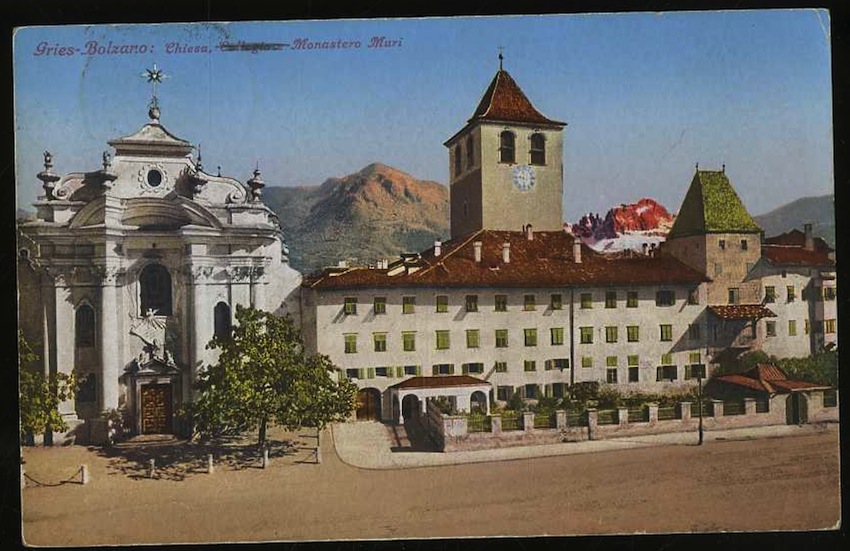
(374, 213)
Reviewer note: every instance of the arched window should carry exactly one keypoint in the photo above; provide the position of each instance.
(470, 153)
(538, 149)
(506, 147)
(457, 160)
(156, 290)
(223, 326)
(84, 326)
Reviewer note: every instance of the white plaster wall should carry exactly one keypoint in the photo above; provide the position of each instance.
(648, 317)
(784, 345)
(331, 324)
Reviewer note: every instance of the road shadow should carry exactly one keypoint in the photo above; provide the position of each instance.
(176, 460)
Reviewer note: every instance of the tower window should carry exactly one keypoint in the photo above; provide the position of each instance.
(457, 160)
(507, 147)
(538, 149)
(470, 153)
(84, 326)
(155, 284)
(221, 318)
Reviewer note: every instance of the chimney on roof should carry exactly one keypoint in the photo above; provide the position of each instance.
(529, 233)
(809, 243)
(577, 250)
(506, 252)
(438, 248)
(476, 247)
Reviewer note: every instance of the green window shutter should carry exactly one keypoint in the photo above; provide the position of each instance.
(361, 373)
(547, 391)
(464, 368)
(435, 370)
(370, 373)
(451, 369)
(418, 370)
(399, 371)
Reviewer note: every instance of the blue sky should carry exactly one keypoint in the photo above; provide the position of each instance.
(645, 95)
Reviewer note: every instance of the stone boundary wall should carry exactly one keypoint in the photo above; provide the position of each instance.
(455, 436)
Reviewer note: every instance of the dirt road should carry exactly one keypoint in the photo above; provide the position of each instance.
(769, 484)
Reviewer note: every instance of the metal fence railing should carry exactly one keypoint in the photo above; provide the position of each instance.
(478, 423)
(638, 415)
(733, 408)
(707, 409)
(544, 420)
(577, 418)
(667, 413)
(606, 417)
(511, 421)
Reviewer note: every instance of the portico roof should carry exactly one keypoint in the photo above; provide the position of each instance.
(439, 382)
(769, 378)
(741, 311)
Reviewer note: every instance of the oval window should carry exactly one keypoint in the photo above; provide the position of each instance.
(154, 178)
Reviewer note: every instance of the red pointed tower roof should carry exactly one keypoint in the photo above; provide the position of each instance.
(505, 101)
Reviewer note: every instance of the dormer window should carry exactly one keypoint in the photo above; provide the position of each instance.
(538, 149)
(507, 147)
(470, 153)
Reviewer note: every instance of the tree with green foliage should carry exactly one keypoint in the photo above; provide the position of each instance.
(821, 368)
(319, 399)
(265, 377)
(40, 395)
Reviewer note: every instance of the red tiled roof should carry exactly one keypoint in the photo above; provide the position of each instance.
(505, 101)
(741, 380)
(796, 255)
(544, 261)
(741, 311)
(440, 382)
(767, 372)
(768, 378)
(796, 238)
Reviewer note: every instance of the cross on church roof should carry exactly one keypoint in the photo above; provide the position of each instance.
(154, 76)
(501, 57)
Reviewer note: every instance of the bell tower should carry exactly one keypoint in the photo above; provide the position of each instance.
(506, 164)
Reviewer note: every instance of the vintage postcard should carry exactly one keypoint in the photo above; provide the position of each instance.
(550, 275)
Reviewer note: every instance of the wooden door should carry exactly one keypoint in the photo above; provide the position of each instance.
(156, 409)
(369, 404)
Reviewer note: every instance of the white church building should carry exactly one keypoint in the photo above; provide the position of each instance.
(128, 270)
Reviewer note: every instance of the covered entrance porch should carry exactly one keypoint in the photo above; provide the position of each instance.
(465, 393)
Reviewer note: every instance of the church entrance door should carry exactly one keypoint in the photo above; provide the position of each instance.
(156, 409)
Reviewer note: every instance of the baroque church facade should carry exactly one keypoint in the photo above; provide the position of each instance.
(127, 272)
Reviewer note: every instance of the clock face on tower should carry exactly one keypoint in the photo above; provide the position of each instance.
(523, 177)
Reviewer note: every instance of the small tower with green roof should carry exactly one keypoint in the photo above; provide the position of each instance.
(714, 233)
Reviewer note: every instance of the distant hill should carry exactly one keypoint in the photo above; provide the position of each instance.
(372, 214)
(820, 211)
